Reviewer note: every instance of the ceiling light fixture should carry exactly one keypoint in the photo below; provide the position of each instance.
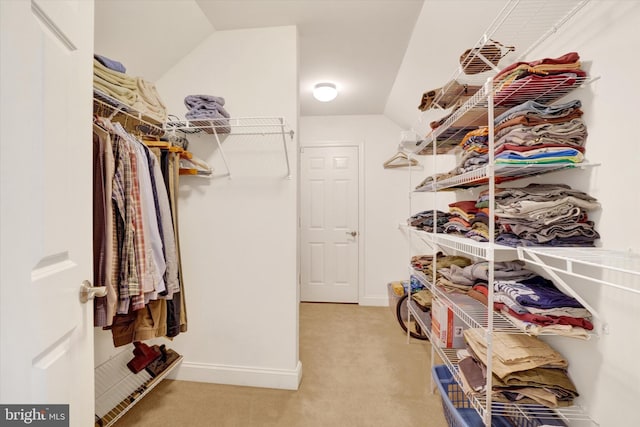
(325, 92)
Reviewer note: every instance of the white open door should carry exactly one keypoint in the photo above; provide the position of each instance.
(329, 231)
(45, 200)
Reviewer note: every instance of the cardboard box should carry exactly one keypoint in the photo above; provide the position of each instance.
(446, 327)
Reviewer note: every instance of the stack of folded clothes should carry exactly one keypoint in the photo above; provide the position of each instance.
(545, 79)
(480, 223)
(475, 151)
(525, 369)
(545, 214)
(470, 276)
(430, 180)
(425, 264)
(460, 216)
(537, 306)
(422, 262)
(426, 219)
(534, 133)
(529, 133)
(110, 79)
(531, 302)
(209, 111)
(442, 262)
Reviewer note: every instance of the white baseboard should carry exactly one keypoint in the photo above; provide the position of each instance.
(239, 375)
(382, 301)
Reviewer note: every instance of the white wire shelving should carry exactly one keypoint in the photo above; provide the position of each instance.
(118, 389)
(112, 108)
(473, 113)
(417, 315)
(472, 312)
(222, 128)
(613, 268)
(524, 24)
(475, 315)
(503, 173)
(466, 246)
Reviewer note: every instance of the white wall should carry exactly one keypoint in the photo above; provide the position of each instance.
(386, 202)
(238, 236)
(605, 35)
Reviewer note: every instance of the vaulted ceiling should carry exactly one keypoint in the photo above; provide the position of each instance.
(382, 54)
(357, 44)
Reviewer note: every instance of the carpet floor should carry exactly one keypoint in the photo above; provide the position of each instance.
(358, 371)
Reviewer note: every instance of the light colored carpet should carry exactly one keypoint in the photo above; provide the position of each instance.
(358, 371)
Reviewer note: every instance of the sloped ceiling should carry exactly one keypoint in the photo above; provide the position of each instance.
(358, 44)
(443, 31)
(382, 54)
(148, 36)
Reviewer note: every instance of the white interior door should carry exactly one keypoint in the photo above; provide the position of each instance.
(46, 216)
(329, 230)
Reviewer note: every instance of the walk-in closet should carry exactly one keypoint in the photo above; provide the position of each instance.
(179, 212)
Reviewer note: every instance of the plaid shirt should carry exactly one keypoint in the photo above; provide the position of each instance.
(128, 283)
(135, 290)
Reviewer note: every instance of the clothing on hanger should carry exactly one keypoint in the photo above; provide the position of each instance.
(135, 237)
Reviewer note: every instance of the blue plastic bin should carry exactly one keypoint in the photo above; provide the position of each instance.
(457, 409)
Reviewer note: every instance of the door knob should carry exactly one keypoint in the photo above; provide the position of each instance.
(352, 233)
(88, 292)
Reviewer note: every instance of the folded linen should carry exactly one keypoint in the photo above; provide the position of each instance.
(514, 353)
(114, 77)
(150, 102)
(205, 114)
(207, 107)
(119, 93)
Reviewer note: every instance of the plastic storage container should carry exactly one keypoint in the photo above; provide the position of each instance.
(457, 409)
(459, 413)
(394, 297)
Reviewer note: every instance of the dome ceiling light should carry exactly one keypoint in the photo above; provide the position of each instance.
(325, 92)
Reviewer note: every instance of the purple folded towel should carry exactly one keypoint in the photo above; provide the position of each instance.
(192, 101)
(205, 106)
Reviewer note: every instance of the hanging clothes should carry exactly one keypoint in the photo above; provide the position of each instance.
(136, 251)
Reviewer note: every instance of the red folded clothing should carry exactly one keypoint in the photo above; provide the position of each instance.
(567, 58)
(541, 320)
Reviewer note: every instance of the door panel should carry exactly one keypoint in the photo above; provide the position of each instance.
(46, 218)
(328, 215)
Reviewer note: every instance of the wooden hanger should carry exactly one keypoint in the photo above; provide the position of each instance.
(400, 160)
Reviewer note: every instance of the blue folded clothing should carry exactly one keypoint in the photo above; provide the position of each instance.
(110, 63)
